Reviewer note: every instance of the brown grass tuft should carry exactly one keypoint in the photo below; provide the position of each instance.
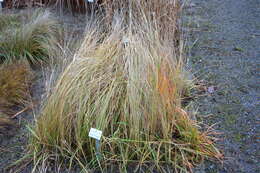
(15, 82)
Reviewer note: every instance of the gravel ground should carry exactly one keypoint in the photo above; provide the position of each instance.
(225, 53)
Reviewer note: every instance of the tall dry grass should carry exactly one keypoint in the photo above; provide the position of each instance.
(161, 14)
(132, 91)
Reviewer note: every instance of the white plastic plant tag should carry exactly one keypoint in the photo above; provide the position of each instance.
(95, 133)
(90, 0)
(125, 40)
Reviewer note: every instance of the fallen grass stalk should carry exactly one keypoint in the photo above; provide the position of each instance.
(18, 113)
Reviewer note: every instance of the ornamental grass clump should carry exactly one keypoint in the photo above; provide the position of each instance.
(128, 84)
(35, 41)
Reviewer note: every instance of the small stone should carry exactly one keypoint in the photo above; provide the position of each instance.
(211, 89)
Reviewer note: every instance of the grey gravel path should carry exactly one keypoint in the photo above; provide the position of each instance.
(226, 54)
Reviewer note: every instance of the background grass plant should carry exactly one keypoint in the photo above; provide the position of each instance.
(34, 41)
(15, 81)
(161, 14)
(8, 20)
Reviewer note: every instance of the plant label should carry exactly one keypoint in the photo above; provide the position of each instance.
(95, 133)
(87, 0)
